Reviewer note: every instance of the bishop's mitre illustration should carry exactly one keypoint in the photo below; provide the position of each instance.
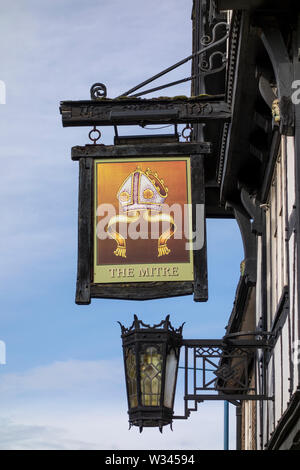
(142, 193)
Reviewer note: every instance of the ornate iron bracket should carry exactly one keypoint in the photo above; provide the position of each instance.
(98, 90)
(208, 43)
(220, 369)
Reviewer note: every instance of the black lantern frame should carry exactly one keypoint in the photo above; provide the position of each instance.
(151, 358)
(220, 370)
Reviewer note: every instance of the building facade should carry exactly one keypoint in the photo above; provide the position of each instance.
(254, 176)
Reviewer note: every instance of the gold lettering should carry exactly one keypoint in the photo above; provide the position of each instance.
(112, 272)
(130, 272)
(121, 272)
(166, 271)
(156, 271)
(144, 272)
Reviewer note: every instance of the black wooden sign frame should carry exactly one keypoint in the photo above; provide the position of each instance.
(85, 288)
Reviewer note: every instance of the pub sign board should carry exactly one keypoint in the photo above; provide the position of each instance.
(141, 232)
(142, 220)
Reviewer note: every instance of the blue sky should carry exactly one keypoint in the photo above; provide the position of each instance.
(63, 384)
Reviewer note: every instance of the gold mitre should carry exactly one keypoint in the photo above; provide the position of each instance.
(142, 190)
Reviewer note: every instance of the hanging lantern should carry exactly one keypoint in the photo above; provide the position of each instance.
(151, 357)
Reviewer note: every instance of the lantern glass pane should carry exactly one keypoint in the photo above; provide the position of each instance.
(131, 377)
(171, 372)
(150, 366)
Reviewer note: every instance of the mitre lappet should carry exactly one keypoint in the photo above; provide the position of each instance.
(142, 193)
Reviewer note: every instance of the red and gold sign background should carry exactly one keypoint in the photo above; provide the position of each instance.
(109, 178)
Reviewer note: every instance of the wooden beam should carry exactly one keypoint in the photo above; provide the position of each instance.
(273, 154)
(200, 256)
(249, 242)
(264, 122)
(83, 294)
(277, 51)
(238, 4)
(131, 111)
(260, 153)
(283, 70)
(253, 4)
(141, 290)
(140, 150)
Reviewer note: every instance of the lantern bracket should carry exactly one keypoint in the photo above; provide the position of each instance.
(219, 369)
(214, 369)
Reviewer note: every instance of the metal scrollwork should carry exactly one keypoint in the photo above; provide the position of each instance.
(207, 40)
(208, 43)
(206, 67)
(98, 91)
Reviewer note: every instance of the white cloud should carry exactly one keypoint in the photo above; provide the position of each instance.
(16, 436)
(88, 428)
(82, 405)
(61, 376)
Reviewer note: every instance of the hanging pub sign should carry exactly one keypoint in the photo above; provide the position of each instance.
(141, 231)
(141, 224)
